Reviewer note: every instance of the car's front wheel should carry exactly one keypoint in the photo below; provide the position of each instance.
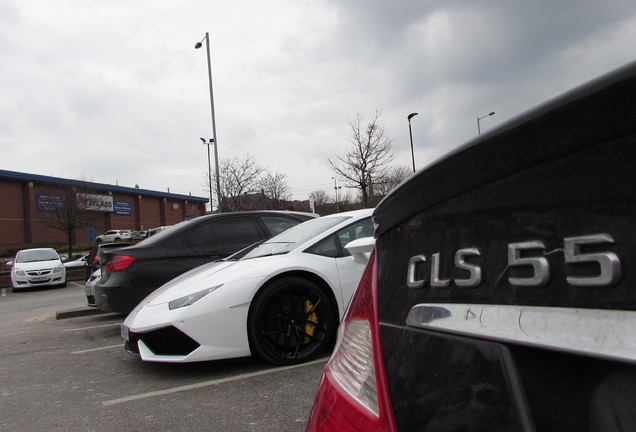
(291, 320)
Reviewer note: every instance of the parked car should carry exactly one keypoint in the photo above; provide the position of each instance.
(39, 267)
(114, 236)
(138, 235)
(133, 273)
(153, 231)
(500, 295)
(95, 256)
(77, 263)
(281, 301)
(90, 286)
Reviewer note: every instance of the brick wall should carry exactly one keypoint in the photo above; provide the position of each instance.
(20, 227)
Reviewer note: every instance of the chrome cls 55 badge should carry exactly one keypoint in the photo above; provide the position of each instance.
(531, 254)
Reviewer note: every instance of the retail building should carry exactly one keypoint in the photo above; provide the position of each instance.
(28, 199)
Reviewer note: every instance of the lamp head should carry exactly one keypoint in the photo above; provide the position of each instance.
(200, 43)
(411, 116)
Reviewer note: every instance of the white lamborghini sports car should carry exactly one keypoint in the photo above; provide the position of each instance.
(281, 300)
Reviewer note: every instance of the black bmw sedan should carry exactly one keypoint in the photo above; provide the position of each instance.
(501, 295)
(131, 273)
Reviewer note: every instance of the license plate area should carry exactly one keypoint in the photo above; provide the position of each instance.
(39, 279)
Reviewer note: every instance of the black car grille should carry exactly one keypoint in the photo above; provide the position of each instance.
(165, 341)
(131, 344)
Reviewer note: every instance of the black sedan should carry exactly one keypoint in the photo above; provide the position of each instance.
(95, 256)
(501, 296)
(131, 273)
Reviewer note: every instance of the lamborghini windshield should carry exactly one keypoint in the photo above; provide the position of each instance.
(294, 237)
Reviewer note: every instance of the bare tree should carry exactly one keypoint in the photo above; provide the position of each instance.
(319, 197)
(239, 176)
(392, 177)
(365, 160)
(321, 201)
(344, 197)
(61, 211)
(276, 190)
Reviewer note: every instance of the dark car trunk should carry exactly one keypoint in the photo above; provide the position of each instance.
(505, 286)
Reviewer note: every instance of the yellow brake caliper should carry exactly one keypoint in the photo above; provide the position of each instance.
(310, 328)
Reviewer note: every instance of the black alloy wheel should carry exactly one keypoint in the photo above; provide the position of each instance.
(291, 320)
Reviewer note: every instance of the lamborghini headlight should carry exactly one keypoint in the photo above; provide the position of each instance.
(191, 298)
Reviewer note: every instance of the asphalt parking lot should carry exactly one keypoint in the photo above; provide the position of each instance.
(72, 374)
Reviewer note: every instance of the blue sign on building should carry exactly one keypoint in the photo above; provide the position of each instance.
(49, 202)
(122, 208)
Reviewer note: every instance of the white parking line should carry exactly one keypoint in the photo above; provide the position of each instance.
(98, 349)
(92, 327)
(205, 383)
(4, 292)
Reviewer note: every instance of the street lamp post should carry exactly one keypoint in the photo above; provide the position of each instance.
(208, 143)
(479, 118)
(411, 136)
(335, 188)
(216, 141)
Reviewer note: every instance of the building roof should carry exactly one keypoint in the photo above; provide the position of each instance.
(36, 178)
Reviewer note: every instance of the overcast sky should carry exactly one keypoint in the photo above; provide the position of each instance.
(114, 91)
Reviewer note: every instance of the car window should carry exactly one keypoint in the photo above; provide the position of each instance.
(327, 247)
(364, 228)
(226, 231)
(278, 224)
(36, 255)
(334, 245)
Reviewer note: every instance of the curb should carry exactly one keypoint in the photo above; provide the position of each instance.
(77, 312)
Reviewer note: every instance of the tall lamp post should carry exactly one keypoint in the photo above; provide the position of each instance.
(216, 141)
(208, 143)
(479, 118)
(411, 136)
(335, 188)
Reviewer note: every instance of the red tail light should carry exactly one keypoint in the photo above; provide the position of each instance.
(119, 263)
(353, 395)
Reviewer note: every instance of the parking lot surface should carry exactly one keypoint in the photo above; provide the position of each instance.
(72, 374)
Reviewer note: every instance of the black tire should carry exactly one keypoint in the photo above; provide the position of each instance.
(291, 320)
